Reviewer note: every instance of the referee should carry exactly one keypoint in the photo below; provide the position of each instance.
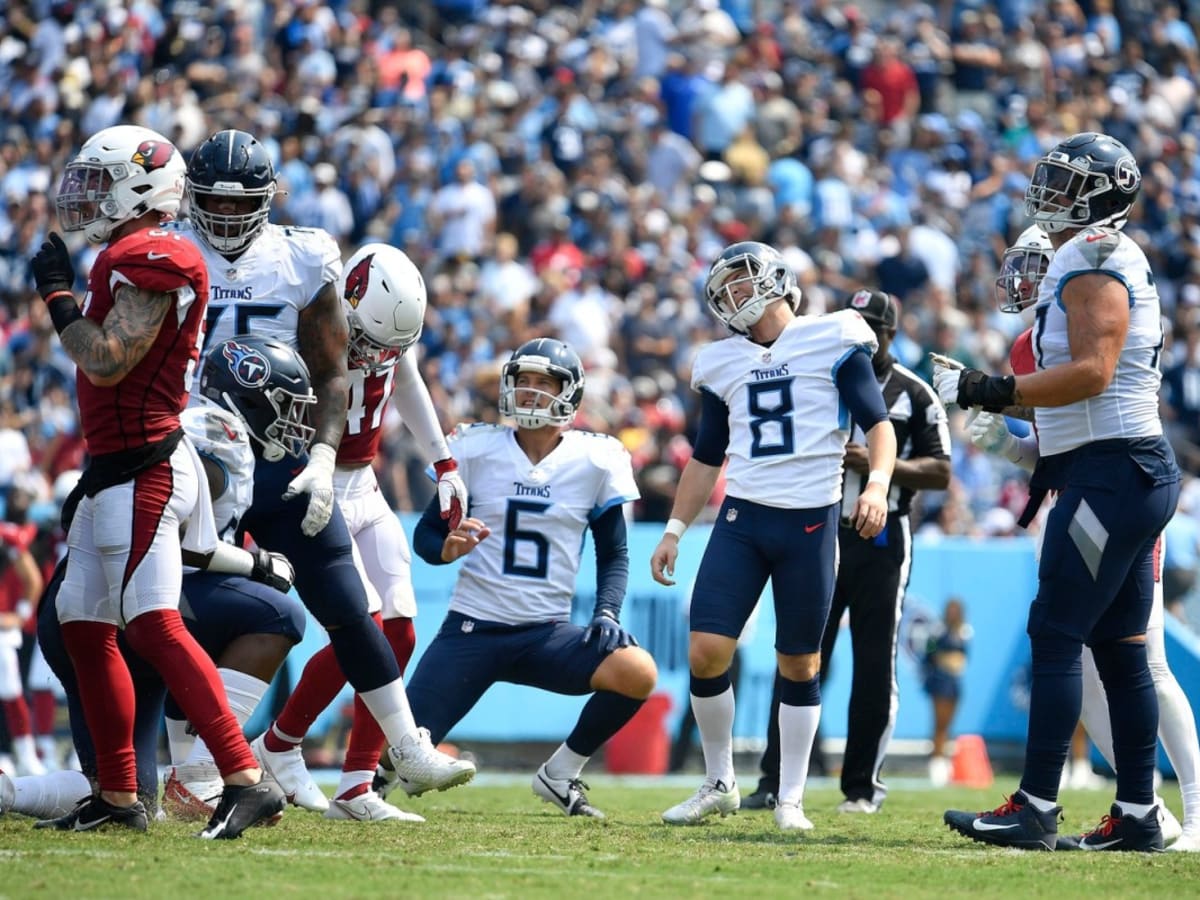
(873, 574)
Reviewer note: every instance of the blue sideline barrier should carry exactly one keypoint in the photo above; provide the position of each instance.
(994, 579)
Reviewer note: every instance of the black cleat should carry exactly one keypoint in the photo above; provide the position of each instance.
(569, 795)
(762, 798)
(95, 812)
(1119, 831)
(242, 806)
(1015, 824)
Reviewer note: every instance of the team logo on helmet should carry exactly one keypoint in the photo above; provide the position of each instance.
(151, 155)
(1125, 173)
(357, 281)
(249, 367)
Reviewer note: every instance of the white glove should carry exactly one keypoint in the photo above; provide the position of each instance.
(989, 432)
(452, 492)
(945, 377)
(317, 481)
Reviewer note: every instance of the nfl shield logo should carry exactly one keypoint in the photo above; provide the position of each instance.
(731, 515)
(766, 356)
(468, 626)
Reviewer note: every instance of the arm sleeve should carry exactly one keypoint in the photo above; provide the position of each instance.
(612, 559)
(859, 390)
(712, 438)
(430, 534)
(416, 409)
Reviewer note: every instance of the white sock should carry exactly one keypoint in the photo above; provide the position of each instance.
(1094, 711)
(1039, 803)
(714, 718)
(389, 706)
(25, 750)
(350, 780)
(179, 740)
(51, 795)
(1137, 810)
(565, 764)
(243, 692)
(797, 732)
(1177, 729)
(286, 738)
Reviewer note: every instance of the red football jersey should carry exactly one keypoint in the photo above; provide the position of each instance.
(1020, 357)
(144, 406)
(369, 396)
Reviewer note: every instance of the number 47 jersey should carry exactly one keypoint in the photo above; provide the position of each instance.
(787, 423)
(525, 571)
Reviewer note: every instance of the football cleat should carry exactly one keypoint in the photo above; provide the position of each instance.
(1171, 829)
(791, 817)
(188, 795)
(95, 812)
(712, 797)
(1120, 832)
(421, 767)
(385, 780)
(242, 806)
(368, 807)
(568, 794)
(8, 793)
(290, 773)
(1016, 823)
(861, 805)
(763, 798)
(1188, 842)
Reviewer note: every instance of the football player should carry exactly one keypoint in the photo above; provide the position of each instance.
(1021, 271)
(20, 586)
(1096, 343)
(281, 282)
(778, 397)
(135, 344)
(384, 298)
(535, 491)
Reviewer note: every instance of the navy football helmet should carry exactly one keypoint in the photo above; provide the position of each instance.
(550, 357)
(760, 266)
(230, 164)
(1022, 269)
(266, 384)
(1088, 179)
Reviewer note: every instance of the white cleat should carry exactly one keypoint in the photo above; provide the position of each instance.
(861, 805)
(1171, 829)
(791, 817)
(1188, 842)
(8, 793)
(713, 797)
(192, 792)
(421, 767)
(289, 772)
(568, 794)
(368, 807)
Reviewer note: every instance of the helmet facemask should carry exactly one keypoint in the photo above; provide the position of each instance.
(229, 232)
(364, 352)
(287, 432)
(1059, 196)
(558, 409)
(740, 290)
(1021, 272)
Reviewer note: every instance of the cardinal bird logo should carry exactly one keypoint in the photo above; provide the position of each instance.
(357, 281)
(151, 155)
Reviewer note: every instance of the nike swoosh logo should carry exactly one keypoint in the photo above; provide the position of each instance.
(81, 825)
(158, 255)
(348, 810)
(985, 826)
(565, 801)
(216, 832)
(1103, 846)
(809, 529)
(1092, 238)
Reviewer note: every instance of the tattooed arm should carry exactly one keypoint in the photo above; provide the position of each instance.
(106, 353)
(323, 335)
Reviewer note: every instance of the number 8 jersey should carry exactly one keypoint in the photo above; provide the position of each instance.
(787, 423)
(525, 571)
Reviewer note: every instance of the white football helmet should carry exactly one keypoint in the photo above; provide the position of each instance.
(384, 297)
(120, 173)
(1021, 270)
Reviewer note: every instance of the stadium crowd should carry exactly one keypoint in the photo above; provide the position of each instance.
(569, 169)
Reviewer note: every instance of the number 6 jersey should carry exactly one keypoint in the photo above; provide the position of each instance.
(525, 570)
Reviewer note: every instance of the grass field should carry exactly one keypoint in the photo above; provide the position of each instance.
(495, 839)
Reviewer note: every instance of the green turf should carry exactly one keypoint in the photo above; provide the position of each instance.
(500, 841)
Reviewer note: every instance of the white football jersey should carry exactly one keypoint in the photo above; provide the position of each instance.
(525, 571)
(787, 423)
(1128, 407)
(263, 290)
(219, 434)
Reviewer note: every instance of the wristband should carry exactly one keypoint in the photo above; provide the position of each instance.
(676, 527)
(63, 309)
(877, 477)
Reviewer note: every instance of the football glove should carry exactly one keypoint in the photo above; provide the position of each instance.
(989, 432)
(452, 491)
(993, 392)
(608, 632)
(945, 377)
(272, 569)
(317, 481)
(51, 265)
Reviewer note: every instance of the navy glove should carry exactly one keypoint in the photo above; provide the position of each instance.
(52, 269)
(608, 632)
(993, 392)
